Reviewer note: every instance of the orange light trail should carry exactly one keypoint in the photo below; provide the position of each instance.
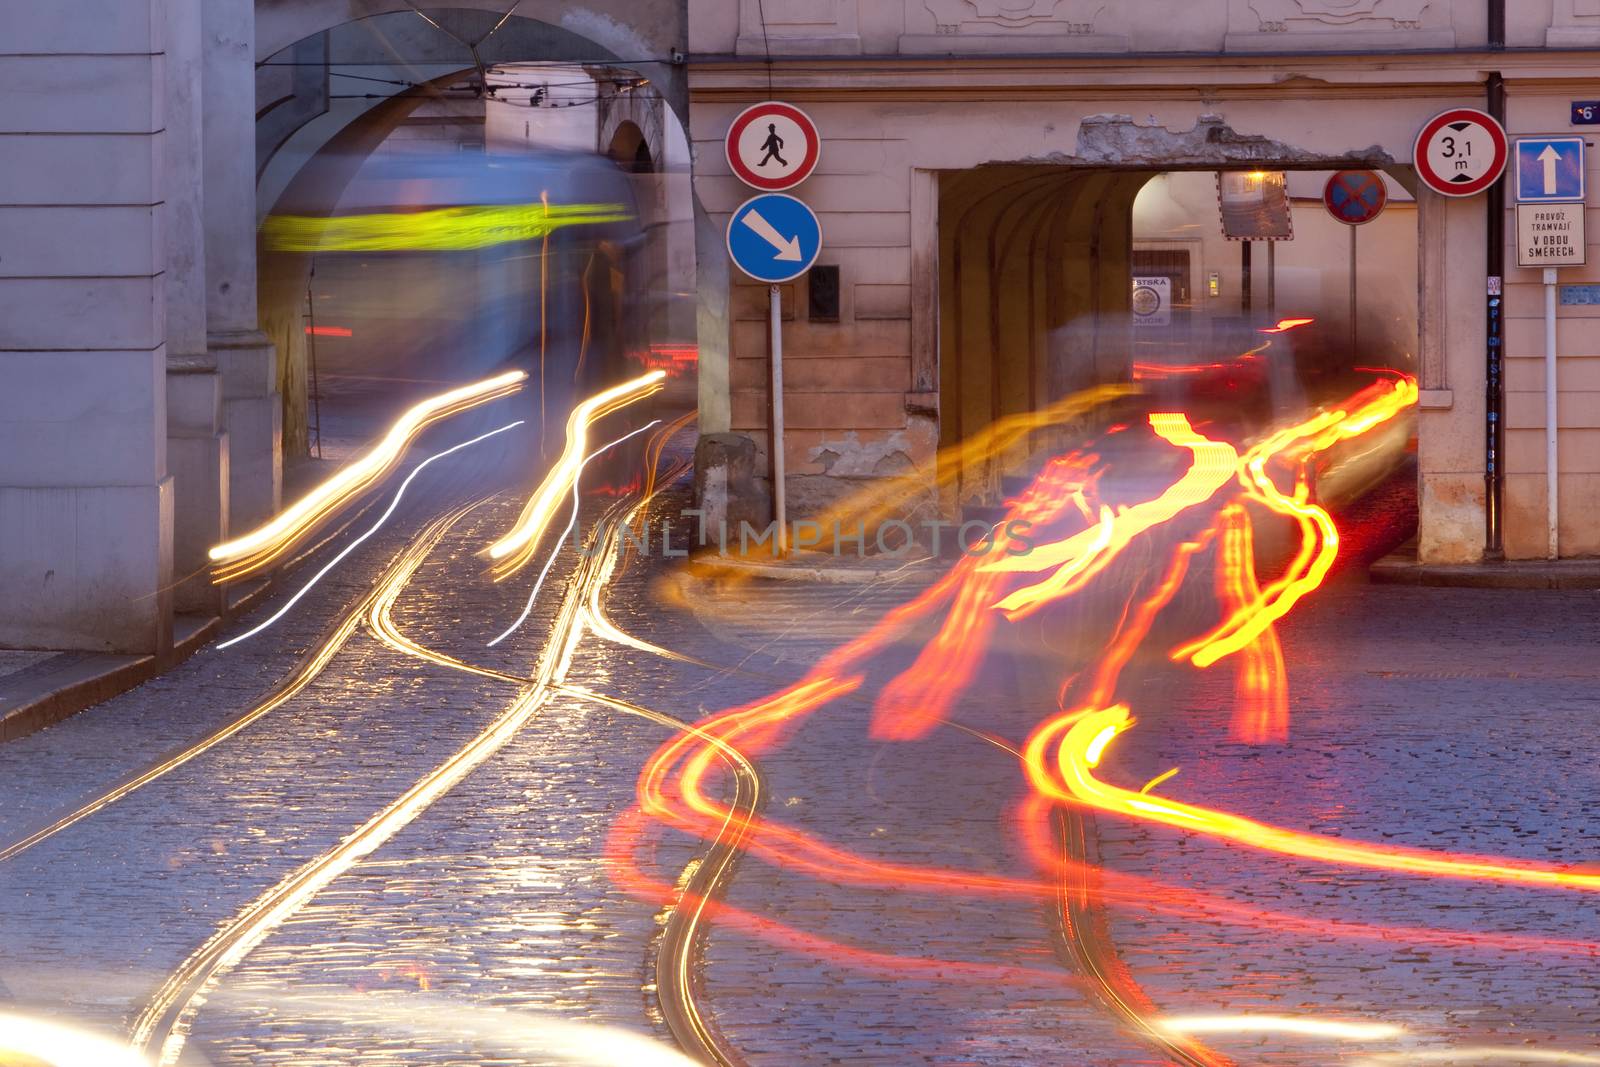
(1319, 545)
(1261, 680)
(680, 785)
(1081, 557)
(261, 547)
(1084, 740)
(1285, 325)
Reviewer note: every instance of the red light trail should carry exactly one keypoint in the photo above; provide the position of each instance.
(1210, 510)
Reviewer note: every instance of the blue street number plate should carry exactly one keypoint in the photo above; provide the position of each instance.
(1586, 112)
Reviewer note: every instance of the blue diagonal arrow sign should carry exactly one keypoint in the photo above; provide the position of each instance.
(774, 237)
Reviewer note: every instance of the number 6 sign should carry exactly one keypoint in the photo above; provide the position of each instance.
(1461, 152)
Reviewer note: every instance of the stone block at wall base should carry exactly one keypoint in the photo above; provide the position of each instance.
(255, 459)
(727, 489)
(199, 467)
(1450, 514)
(87, 567)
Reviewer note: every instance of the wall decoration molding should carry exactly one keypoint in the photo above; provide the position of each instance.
(1575, 24)
(799, 27)
(985, 26)
(1274, 25)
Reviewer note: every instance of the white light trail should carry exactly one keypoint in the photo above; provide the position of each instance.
(1279, 1024)
(353, 545)
(61, 1046)
(571, 522)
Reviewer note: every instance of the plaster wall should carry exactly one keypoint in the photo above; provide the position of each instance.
(859, 393)
(976, 27)
(85, 498)
(1536, 110)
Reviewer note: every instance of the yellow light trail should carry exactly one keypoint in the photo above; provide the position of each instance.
(357, 542)
(1084, 739)
(450, 229)
(512, 552)
(259, 548)
(572, 523)
(1319, 542)
(1080, 558)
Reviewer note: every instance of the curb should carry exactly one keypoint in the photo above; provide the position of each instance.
(1402, 568)
(76, 681)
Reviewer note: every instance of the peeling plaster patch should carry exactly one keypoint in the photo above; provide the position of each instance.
(893, 465)
(850, 457)
(1118, 139)
(619, 37)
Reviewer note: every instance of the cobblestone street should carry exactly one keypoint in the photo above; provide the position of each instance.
(493, 925)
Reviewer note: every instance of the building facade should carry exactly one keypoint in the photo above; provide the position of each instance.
(982, 169)
(974, 147)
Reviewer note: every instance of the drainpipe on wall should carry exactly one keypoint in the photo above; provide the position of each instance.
(1494, 476)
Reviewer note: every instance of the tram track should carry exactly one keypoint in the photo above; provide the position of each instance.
(1083, 942)
(162, 1026)
(164, 1023)
(329, 643)
(684, 937)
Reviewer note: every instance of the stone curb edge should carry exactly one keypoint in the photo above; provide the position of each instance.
(94, 685)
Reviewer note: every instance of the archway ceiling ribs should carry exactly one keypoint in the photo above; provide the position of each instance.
(634, 31)
(644, 36)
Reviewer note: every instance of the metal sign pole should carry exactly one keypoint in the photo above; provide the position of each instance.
(1246, 283)
(1355, 328)
(779, 503)
(1272, 280)
(1551, 419)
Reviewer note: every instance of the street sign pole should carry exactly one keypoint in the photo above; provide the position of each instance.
(774, 238)
(1272, 280)
(1355, 328)
(779, 488)
(1551, 416)
(1355, 198)
(1551, 194)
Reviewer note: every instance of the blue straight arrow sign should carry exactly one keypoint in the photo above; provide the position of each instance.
(1550, 170)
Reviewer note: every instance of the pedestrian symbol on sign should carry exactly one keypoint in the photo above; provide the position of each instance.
(772, 145)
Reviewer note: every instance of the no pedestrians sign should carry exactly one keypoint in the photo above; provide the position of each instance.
(773, 146)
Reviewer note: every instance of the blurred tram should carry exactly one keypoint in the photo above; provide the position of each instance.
(446, 267)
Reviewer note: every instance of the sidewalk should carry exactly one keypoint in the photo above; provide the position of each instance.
(40, 688)
(1402, 568)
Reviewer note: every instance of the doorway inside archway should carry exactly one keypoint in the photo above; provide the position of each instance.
(1125, 286)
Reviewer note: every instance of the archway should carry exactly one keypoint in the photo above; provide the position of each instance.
(1038, 265)
(312, 140)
